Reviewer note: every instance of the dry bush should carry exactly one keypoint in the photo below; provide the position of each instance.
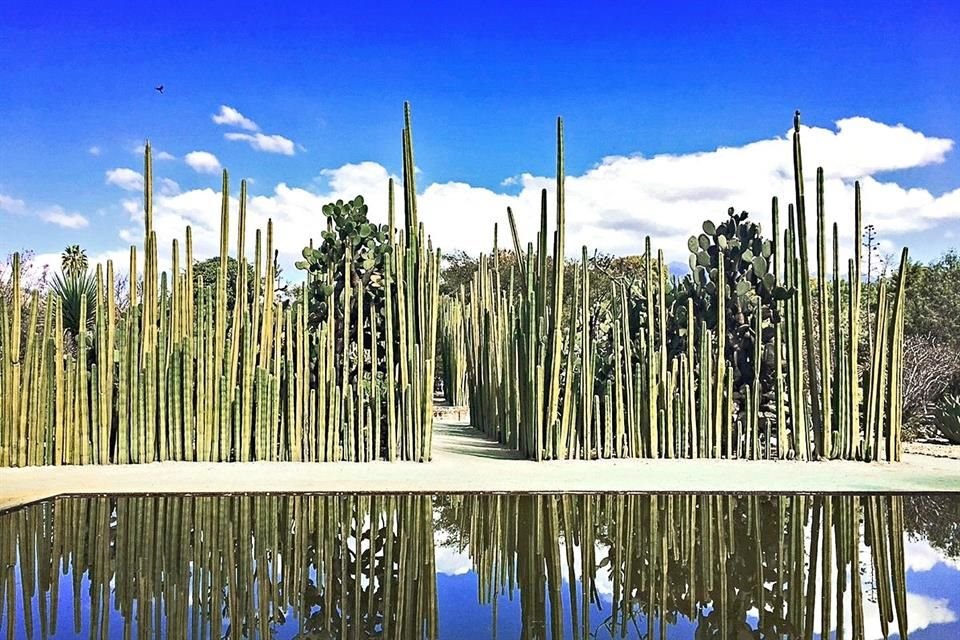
(931, 367)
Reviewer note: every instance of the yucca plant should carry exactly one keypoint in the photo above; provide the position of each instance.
(946, 417)
(77, 292)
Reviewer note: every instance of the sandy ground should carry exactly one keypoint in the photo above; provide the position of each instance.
(464, 461)
(941, 449)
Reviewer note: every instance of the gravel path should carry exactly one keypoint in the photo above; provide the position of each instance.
(935, 449)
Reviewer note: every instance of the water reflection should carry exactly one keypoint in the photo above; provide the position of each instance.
(365, 567)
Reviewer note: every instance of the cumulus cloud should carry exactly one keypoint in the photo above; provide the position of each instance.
(126, 179)
(157, 155)
(9, 204)
(168, 187)
(269, 143)
(920, 556)
(232, 118)
(58, 216)
(94, 150)
(202, 162)
(54, 214)
(612, 205)
(263, 142)
(451, 561)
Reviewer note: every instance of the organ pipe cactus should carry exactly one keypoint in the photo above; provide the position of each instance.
(181, 376)
(726, 363)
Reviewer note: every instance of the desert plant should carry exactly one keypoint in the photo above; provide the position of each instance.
(947, 418)
(177, 373)
(77, 292)
(704, 368)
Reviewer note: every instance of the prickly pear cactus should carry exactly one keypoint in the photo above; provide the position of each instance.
(349, 231)
(738, 247)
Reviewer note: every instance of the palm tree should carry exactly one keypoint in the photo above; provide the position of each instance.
(73, 261)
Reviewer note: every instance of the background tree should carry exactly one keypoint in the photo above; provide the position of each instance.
(208, 270)
(931, 341)
(73, 261)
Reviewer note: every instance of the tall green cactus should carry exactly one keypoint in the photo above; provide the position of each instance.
(195, 380)
(725, 363)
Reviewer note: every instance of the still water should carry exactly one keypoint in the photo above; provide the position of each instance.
(474, 566)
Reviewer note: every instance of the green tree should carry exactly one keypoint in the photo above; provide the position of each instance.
(931, 340)
(207, 271)
(933, 298)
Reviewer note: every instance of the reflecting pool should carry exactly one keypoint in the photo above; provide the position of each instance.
(482, 566)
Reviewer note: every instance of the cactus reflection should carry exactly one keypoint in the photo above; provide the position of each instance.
(347, 566)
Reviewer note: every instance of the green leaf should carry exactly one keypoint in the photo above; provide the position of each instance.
(709, 228)
(693, 244)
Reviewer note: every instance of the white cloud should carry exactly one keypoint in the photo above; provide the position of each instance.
(263, 142)
(94, 150)
(920, 556)
(130, 180)
(54, 214)
(58, 216)
(157, 155)
(202, 162)
(922, 611)
(231, 117)
(451, 561)
(611, 206)
(126, 179)
(168, 187)
(9, 204)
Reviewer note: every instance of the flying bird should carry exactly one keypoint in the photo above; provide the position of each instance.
(159, 88)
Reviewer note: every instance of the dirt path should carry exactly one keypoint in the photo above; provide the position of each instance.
(464, 461)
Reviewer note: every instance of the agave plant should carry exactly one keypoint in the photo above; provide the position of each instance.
(71, 288)
(947, 418)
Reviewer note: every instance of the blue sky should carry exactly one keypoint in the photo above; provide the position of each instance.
(632, 80)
